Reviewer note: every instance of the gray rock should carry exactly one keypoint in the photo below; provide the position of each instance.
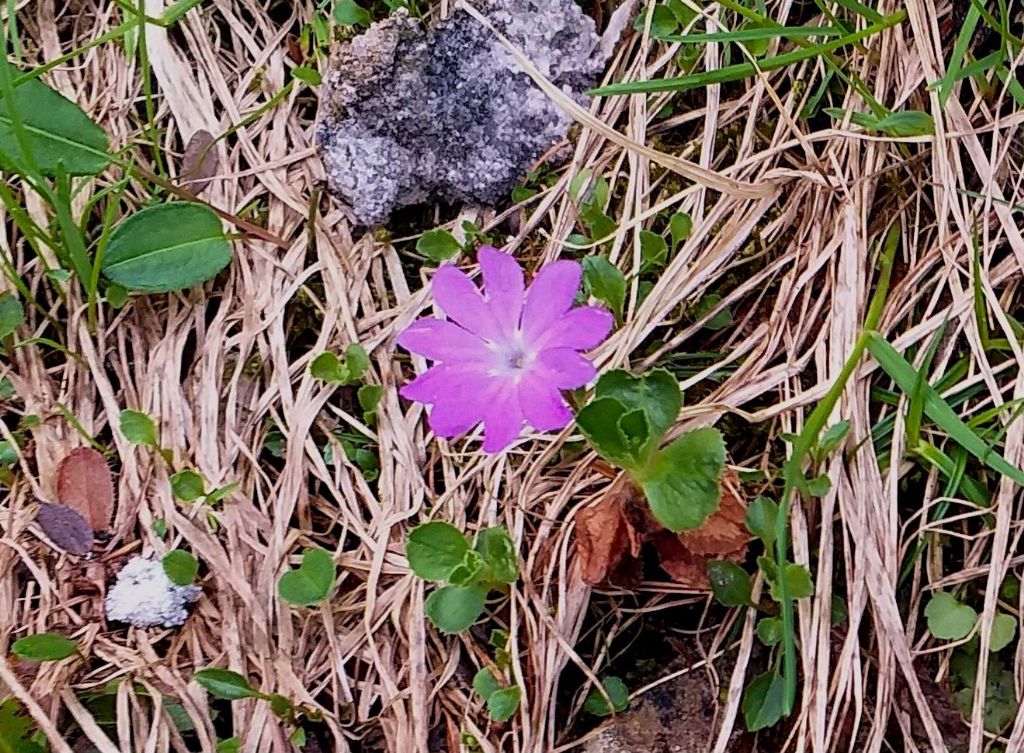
(410, 114)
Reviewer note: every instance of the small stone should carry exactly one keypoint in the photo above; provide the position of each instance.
(410, 114)
(145, 597)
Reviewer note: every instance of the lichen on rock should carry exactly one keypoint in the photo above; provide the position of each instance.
(410, 113)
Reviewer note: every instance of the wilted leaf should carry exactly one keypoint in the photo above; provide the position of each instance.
(603, 539)
(84, 484)
(199, 162)
(65, 527)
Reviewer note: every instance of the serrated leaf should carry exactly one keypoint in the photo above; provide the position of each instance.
(498, 551)
(16, 728)
(84, 484)
(138, 428)
(435, 549)
(730, 583)
(798, 582)
(167, 247)
(59, 133)
(618, 694)
(721, 320)
(357, 361)
(503, 703)
(761, 517)
(66, 528)
(43, 647)
(605, 282)
(655, 392)
(311, 583)
(948, 619)
(682, 483)
(11, 314)
(485, 684)
(226, 684)
(438, 245)
(453, 609)
(369, 396)
(764, 701)
(653, 247)
(187, 485)
(180, 567)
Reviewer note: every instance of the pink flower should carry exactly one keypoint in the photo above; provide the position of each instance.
(504, 355)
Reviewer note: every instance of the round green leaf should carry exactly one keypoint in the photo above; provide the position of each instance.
(455, 608)
(43, 647)
(769, 630)
(1004, 628)
(484, 683)
(948, 619)
(438, 245)
(435, 549)
(181, 567)
(223, 683)
(764, 701)
(503, 704)
(682, 483)
(312, 582)
(761, 518)
(187, 486)
(617, 692)
(167, 247)
(138, 428)
(730, 583)
(58, 132)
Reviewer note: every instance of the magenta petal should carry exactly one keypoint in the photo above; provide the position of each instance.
(503, 284)
(542, 404)
(444, 381)
(565, 368)
(581, 328)
(503, 421)
(462, 301)
(440, 340)
(550, 295)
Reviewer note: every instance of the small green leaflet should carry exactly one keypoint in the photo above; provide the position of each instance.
(435, 549)
(618, 694)
(948, 619)
(43, 647)
(138, 428)
(730, 583)
(187, 485)
(11, 314)
(1004, 628)
(350, 13)
(329, 368)
(682, 482)
(180, 567)
(438, 245)
(226, 684)
(605, 282)
(485, 684)
(455, 608)
(503, 703)
(763, 701)
(16, 730)
(761, 517)
(311, 583)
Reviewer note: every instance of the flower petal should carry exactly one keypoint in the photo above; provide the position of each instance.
(441, 382)
(441, 340)
(503, 421)
(542, 404)
(460, 409)
(550, 295)
(503, 285)
(462, 301)
(565, 368)
(580, 328)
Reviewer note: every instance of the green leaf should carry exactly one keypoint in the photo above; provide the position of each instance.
(138, 428)
(117, 296)
(187, 485)
(599, 422)
(43, 647)
(167, 247)
(680, 226)
(280, 706)
(948, 619)
(653, 247)
(216, 495)
(58, 132)
(223, 683)
(435, 549)
(298, 738)
(11, 314)
(356, 362)
(350, 13)
(798, 582)
(720, 320)
(819, 485)
(485, 684)
(655, 392)
(438, 245)
(663, 21)
(16, 729)
(231, 745)
(764, 701)
(181, 567)
(369, 396)
(307, 75)
(311, 583)
(471, 571)
(503, 703)
(327, 368)
(618, 694)
(761, 516)
(455, 608)
(605, 282)
(833, 438)
(730, 583)
(1004, 628)
(769, 630)
(907, 123)
(682, 482)
(498, 551)
(8, 453)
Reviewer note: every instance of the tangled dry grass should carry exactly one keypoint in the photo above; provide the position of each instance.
(786, 225)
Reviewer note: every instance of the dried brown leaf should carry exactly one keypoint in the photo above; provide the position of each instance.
(84, 484)
(725, 532)
(607, 544)
(199, 163)
(65, 527)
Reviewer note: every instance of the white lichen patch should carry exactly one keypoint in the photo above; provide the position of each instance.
(144, 596)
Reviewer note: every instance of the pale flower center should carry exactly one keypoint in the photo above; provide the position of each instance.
(513, 357)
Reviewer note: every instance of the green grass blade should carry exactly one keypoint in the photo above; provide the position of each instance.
(938, 410)
(749, 35)
(956, 58)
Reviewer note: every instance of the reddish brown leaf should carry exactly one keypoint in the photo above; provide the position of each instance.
(725, 532)
(199, 163)
(84, 484)
(293, 50)
(66, 528)
(607, 544)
